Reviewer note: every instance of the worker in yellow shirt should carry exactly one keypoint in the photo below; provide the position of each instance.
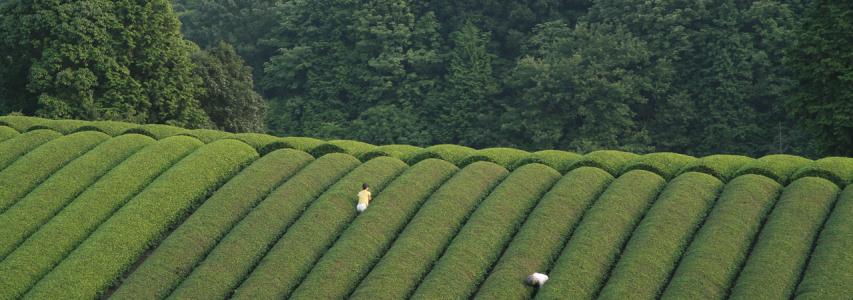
(364, 198)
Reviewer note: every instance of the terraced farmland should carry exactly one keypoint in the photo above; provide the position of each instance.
(108, 209)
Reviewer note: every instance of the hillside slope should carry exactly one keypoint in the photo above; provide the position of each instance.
(93, 209)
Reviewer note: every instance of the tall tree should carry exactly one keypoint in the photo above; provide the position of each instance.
(227, 95)
(98, 60)
(823, 62)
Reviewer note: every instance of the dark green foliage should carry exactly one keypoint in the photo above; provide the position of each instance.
(661, 238)
(97, 60)
(175, 257)
(401, 152)
(717, 252)
(234, 257)
(830, 267)
(451, 153)
(54, 240)
(822, 62)
(94, 265)
(30, 170)
(278, 273)
(505, 157)
(543, 235)
(559, 160)
(43, 202)
(423, 241)
(593, 248)
(608, 160)
(839, 170)
(665, 164)
(227, 94)
(12, 149)
(778, 167)
(779, 255)
(722, 166)
(364, 242)
(467, 260)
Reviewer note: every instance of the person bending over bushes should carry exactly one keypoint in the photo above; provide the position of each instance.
(364, 198)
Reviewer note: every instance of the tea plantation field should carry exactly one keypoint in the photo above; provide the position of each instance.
(123, 211)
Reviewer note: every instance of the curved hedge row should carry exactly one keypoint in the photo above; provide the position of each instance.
(783, 168)
(468, 258)
(108, 252)
(7, 133)
(358, 248)
(175, 257)
(54, 240)
(23, 218)
(306, 240)
(544, 233)
(830, 267)
(583, 266)
(661, 237)
(14, 148)
(778, 258)
(30, 170)
(429, 232)
(245, 245)
(721, 245)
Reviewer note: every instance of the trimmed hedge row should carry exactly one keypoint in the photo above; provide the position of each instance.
(305, 241)
(54, 240)
(61, 126)
(340, 269)
(12, 149)
(503, 156)
(610, 161)
(157, 131)
(310, 145)
(661, 237)
(544, 233)
(112, 128)
(30, 170)
(25, 217)
(430, 231)
(243, 247)
(839, 170)
(721, 166)
(778, 167)
(401, 152)
(108, 252)
(721, 245)
(467, 260)
(7, 133)
(665, 164)
(830, 266)
(583, 266)
(447, 152)
(354, 148)
(21, 123)
(558, 160)
(175, 257)
(208, 135)
(260, 142)
(779, 256)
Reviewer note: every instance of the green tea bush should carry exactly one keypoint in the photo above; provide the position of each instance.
(354, 148)
(540, 239)
(661, 238)
(779, 256)
(424, 239)
(608, 160)
(720, 247)
(112, 128)
(30, 170)
(233, 258)
(468, 258)
(593, 248)
(93, 267)
(29, 213)
(21, 123)
(54, 240)
(175, 257)
(341, 268)
(558, 160)
(261, 142)
(839, 170)
(306, 240)
(13, 148)
(505, 157)
(401, 152)
(721, 166)
(451, 153)
(309, 145)
(665, 164)
(157, 131)
(207, 135)
(7, 133)
(778, 167)
(830, 266)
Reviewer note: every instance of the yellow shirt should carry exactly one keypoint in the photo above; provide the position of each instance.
(363, 197)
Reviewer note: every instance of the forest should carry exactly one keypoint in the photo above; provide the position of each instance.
(694, 77)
